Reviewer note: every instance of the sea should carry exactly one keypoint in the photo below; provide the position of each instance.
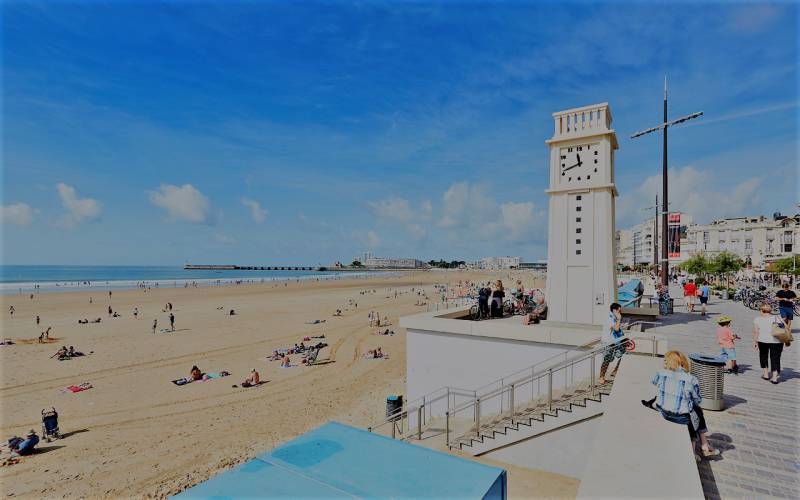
(33, 279)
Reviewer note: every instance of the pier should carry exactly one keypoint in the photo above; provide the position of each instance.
(213, 267)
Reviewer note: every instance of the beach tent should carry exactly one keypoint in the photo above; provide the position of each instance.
(339, 461)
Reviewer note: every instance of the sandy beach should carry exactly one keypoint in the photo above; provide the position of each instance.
(136, 434)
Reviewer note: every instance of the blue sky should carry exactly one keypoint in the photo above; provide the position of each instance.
(303, 132)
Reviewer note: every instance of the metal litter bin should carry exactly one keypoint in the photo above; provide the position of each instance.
(710, 373)
(393, 405)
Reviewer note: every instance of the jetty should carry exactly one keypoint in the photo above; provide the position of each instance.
(226, 267)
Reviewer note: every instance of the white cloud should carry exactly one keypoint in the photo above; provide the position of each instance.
(426, 209)
(520, 220)
(20, 214)
(468, 212)
(78, 209)
(184, 203)
(373, 240)
(259, 214)
(224, 239)
(398, 211)
(701, 193)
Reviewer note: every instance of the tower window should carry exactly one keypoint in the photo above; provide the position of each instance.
(578, 230)
(577, 242)
(577, 209)
(577, 252)
(577, 219)
(578, 198)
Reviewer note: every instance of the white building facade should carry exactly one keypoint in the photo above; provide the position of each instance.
(393, 263)
(756, 240)
(499, 263)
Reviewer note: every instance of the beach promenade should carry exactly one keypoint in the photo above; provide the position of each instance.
(757, 430)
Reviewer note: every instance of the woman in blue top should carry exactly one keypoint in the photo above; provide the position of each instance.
(678, 399)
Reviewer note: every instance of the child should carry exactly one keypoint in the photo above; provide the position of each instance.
(725, 336)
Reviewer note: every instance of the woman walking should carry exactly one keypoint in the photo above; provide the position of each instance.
(769, 348)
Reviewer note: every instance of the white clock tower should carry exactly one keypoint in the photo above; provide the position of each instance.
(581, 271)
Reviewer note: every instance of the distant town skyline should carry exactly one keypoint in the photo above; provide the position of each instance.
(159, 133)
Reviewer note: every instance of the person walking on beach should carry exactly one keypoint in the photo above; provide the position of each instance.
(155, 325)
(37, 320)
(11, 310)
(110, 311)
(172, 321)
(786, 300)
(136, 313)
(769, 348)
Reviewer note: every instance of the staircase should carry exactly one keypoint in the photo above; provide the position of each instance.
(535, 418)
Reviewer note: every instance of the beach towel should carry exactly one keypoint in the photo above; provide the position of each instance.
(77, 388)
(51, 340)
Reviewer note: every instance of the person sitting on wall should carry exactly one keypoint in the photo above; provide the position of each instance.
(538, 313)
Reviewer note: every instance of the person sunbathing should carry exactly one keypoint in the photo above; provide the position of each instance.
(98, 320)
(73, 353)
(275, 356)
(286, 363)
(252, 380)
(83, 321)
(19, 446)
(195, 373)
(61, 354)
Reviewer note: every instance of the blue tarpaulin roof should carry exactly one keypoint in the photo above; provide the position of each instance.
(339, 461)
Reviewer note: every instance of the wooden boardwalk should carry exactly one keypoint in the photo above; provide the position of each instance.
(757, 431)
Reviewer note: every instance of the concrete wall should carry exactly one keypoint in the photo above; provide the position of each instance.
(436, 359)
(563, 451)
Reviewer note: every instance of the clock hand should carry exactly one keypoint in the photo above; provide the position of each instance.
(579, 159)
(572, 166)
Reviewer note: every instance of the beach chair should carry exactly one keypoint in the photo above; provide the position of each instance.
(50, 424)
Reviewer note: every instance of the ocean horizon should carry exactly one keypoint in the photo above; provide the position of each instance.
(32, 278)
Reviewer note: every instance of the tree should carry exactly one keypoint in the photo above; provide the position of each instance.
(697, 264)
(786, 266)
(356, 263)
(725, 263)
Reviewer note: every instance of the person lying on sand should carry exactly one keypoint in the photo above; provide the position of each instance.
(286, 363)
(98, 320)
(83, 321)
(7, 342)
(338, 312)
(252, 380)
(72, 353)
(375, 354)
(315, 322)
(61, 354)
(195, 373)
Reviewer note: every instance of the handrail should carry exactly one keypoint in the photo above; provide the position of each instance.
(542, 373)
(506, 382)
(411, 406)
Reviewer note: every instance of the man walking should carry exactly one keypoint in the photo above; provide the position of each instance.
(172, 322)
(705, 292)
(786, 301)
(690, 295)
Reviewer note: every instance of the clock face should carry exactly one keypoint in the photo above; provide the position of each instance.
(579, 163)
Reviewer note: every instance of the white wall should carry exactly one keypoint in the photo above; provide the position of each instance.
(563, 451)
(436, 359)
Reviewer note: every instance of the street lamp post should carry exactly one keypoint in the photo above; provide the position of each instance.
(665, 192)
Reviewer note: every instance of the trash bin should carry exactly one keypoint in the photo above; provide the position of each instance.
(393, 405)
(726, 295)
(710, 373)
(671, 306)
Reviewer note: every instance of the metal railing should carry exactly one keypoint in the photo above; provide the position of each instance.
(466, 411)
(424, 408)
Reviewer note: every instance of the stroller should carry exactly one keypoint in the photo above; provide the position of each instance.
(50, 424)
